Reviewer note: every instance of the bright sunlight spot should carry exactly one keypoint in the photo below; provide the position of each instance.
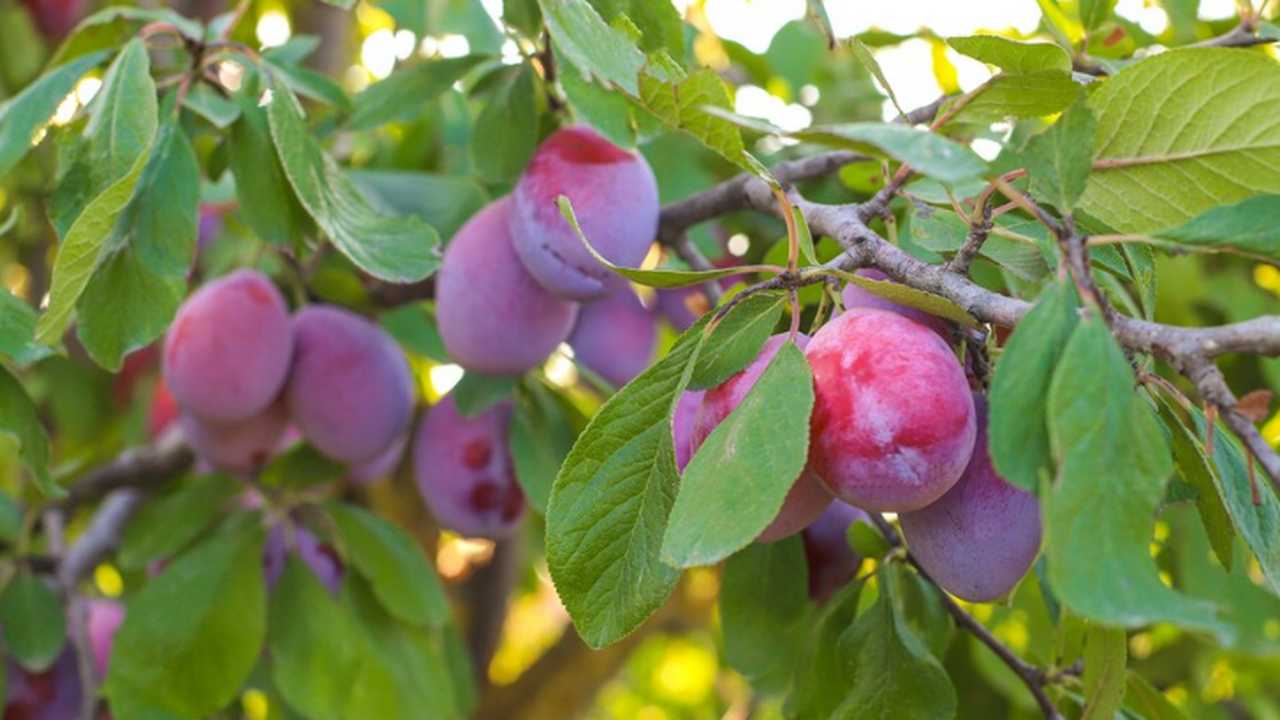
(739, 245)
(273, 29)
(378, 53)
(108, 580)
(256, 705)
(753, 22)
(454, 46)
(87, 88)
(560, 369)
(754, 101)
(444, 378)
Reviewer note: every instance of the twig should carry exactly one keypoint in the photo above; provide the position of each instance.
(1243, 35)
(1034, 677)
(135, 467)
(978, 233)
(101, 537)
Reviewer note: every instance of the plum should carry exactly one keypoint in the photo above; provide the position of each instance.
(854, 296)
(808, 498)
(682, 425)
(494, 317)
(615, 198)
(103, 620)
(980, 538)
(615, 337)
(55, 18)
(318, 556)
(465, 472)
(54, 694)
(163, 412)
(242, 447)
(350, 390)
(682, 306)
(382, 465)
(227, 355)
(832, 563)
(893, 419)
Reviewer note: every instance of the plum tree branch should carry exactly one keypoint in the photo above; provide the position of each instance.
(1189, 350)
(136, 467)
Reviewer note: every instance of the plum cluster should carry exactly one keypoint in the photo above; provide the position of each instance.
(241, 372)
(895, 428)
(517, 281)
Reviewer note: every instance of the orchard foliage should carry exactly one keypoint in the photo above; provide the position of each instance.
(310, 372)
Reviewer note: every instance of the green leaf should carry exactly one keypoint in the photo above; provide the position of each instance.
(114, 26)
(1019, 426)
(193, 634)
(393, 565)
(1259, 524)
(1020, 96)
(737, 481)
(610, 502)
(310, 642)
(1142, 697)
(204, 101)
(344, 4)
(822, 679)
(406, 93)
(659, 23)
(477, 392)
(10, 522)
(818, 11)
(893, 673)
(928, 153)
(400, 671)
(34, 628)
(18, 330)
(763, 602)
(868, 60)
(541, 438)
(599, 51)
(1097, 530)
(1059, 159)
(1250, 227)
(737, 340)
(1195, 468)
(100, 181)
(523, 15)
(412, 326)
(611, 113)
(697, 104)
(267, 203)
(1093, 13)
(508, 127)
(308, 83)
(391, 249)
(301, 467)
(911, 297)
(123, 118)
(165, 527)
(22, 116)
(20, 421)
(1182, 132)
(142, 276)
(1011, 56)
(804, 237)
(1105, 652)
(445, 203)
(658, 278)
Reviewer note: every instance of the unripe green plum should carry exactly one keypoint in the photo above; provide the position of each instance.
(893, 419)
(615, 198)
(350, 390)
(228, 352)
(807, 498)
(465, 472)
(980, 538)
(615, 337)
(493, 316)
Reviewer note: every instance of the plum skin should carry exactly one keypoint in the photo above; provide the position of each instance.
(832, 563)
(807, 498)
(228, 352)
(53, 694)
(980, 538)
(615, 337)
(104, 619)
(615, 198)
(465, 473)
(318, 556)
(241, 448)
(506, 324)
(686, 413)
(350, 390)
(893, 420)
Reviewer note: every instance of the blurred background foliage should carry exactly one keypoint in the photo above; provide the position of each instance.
(464, 142)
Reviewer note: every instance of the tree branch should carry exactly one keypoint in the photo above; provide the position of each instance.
(135, 467)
